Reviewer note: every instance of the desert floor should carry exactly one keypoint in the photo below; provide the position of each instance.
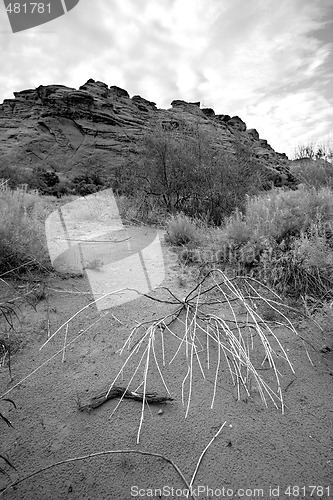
(260, 452)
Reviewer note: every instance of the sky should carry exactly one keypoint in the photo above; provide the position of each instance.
(270, 62)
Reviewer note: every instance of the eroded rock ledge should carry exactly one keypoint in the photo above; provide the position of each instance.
(68, 130)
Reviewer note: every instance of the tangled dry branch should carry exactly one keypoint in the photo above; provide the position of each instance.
(212, 335)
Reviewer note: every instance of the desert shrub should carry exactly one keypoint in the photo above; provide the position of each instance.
(181, 230)
(304, 266)
(306, 269)
(224, 184)
(185, 172)
(63, 188)
(312, 173)
(316, 254)
(141, 210)
(13, 174)
(21, 229)
(237, 231)
(285, 238)
(280, 214)
(45, 181)
(86, 184)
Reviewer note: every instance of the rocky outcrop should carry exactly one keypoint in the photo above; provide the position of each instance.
(254, 133)
(237, 123)
(99, 127)
(143, 104)
(208, 111)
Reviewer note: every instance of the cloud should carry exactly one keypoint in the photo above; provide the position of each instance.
(306, 113)
(264, 60)
(270, 70)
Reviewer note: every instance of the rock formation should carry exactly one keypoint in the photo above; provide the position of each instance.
(69, 131)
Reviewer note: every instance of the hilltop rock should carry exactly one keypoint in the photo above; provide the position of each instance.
(222, 118)
(143, 104)
(189, 107)
(118, 92)
(237, 123)
(254, 133)
(98, 127)
(208, 111)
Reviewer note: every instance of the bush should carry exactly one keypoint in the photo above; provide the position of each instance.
(313, 151)
(282, 214)
(13, 174)
(181, 230)
(284, 237)
(312, 173)
(43, 180)
(306, 269)
(22, 236)
(142, 210)
(185, 172)
(84, 185)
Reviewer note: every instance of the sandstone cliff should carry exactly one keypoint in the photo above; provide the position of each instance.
(69, 131)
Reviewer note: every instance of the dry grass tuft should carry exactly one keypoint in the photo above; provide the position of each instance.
(22, 238)
(181, 230)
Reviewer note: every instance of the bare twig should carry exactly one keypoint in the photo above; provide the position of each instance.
(203, 453)
(189, 486)
(99, 454)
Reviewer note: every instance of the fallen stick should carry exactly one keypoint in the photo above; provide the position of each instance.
(118, 392)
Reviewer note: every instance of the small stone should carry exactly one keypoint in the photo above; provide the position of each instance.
(160, 412)
(69, 486)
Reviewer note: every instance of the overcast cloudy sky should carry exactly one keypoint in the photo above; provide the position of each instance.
(268, 61)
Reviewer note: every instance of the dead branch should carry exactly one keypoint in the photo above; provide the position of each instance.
(121, 392)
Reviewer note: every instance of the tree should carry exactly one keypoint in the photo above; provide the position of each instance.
(166, 170)
(187, 170)
(313, 151)
(44, 180)
(87, 184)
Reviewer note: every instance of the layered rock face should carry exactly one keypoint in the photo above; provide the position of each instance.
(99, 127)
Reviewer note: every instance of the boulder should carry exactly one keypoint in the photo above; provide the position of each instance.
(222, 118)
(170, 124)
(253, 133)
(97, 89)
(208, 111)
(178, 103)
(237, 123)
(144, 103)
(118, 92)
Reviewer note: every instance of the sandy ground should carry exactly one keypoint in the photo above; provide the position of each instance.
(260, 453)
